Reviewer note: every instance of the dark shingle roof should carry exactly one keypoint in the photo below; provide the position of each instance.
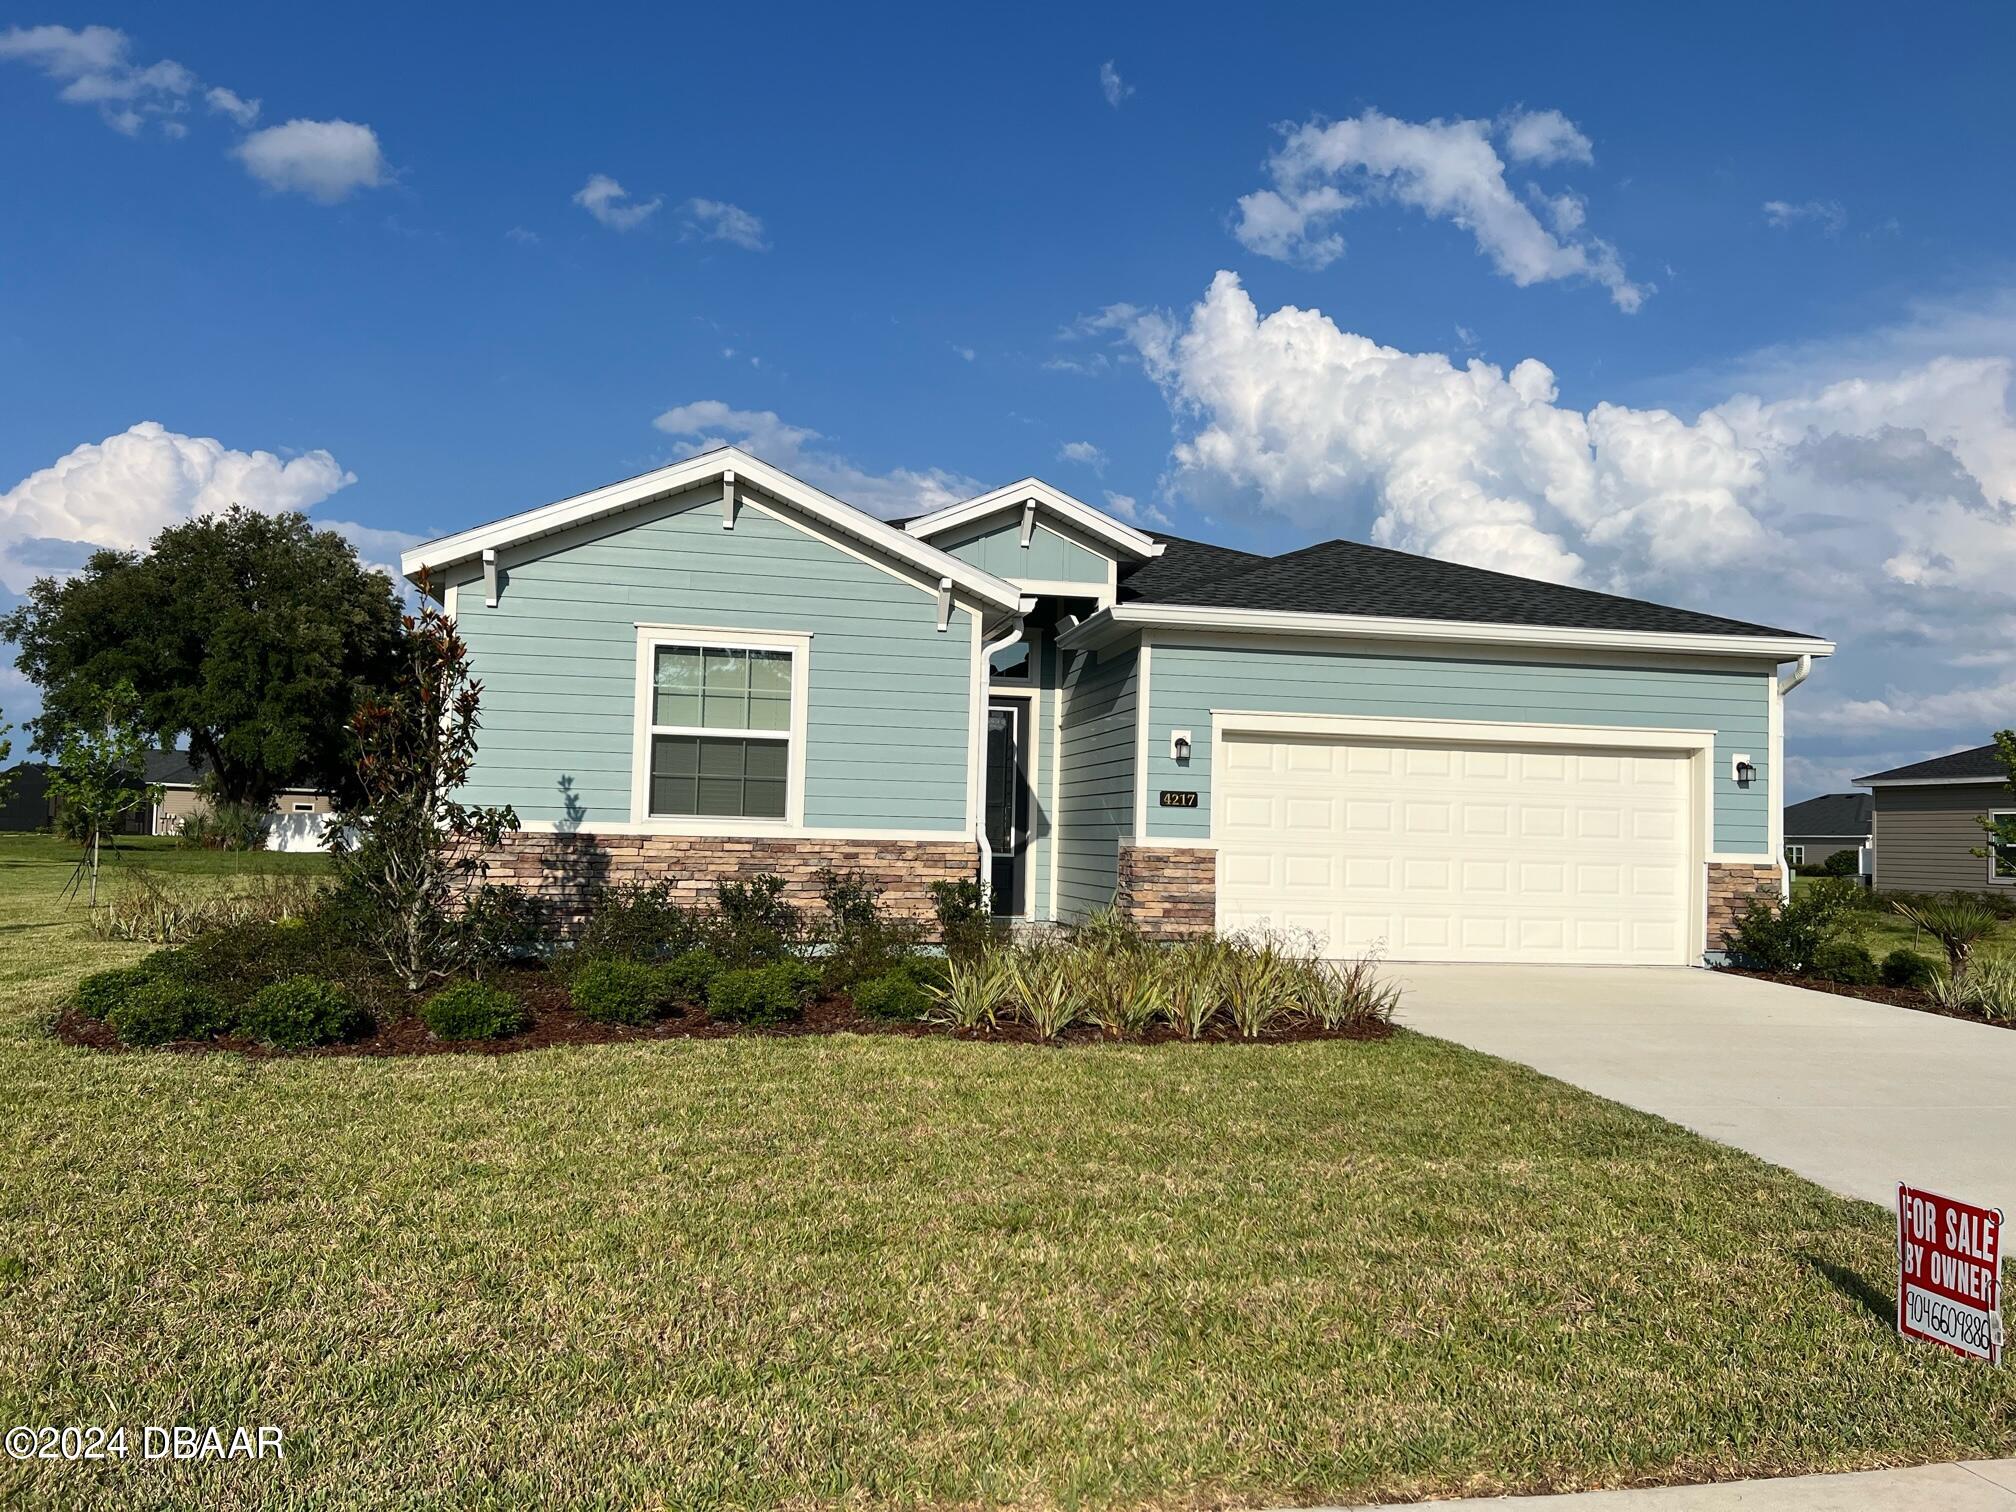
(1978, 762)
(169, 767)
(1830, 814)
(1183, 565)
(1348, 577)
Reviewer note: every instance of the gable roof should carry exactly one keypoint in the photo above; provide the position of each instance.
(1830, 814)
(1977, 764)
(1125, 540)
(697, 471)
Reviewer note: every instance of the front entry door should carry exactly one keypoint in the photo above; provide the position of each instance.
(1007, 806)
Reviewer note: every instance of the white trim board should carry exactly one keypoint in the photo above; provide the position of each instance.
(1883, 782)
(739, 829)
(1113, 622)
(699, 471)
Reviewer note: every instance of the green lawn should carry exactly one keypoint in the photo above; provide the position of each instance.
(886, 1272)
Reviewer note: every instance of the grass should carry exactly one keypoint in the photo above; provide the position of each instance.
(877, 1272)
(1883, 931)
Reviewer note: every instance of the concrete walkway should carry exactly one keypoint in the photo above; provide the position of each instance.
(1853, 1095)
(1981, 1486)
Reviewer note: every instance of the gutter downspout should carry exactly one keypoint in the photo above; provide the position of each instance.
(1801, 670)
(1014, 634)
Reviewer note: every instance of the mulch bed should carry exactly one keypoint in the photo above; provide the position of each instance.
(1895, 997)
(554, 1022)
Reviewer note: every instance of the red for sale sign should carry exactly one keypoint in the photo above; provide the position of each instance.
(1949, 1273)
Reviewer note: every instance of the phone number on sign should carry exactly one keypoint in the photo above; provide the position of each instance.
(180, 1442)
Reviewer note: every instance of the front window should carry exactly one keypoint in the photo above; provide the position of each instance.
(720, 732)
(1795, 855)
(2002, 845)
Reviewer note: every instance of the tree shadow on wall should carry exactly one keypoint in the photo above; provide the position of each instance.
(573, 868)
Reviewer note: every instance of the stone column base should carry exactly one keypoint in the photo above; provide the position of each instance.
(564, 870)
(1170, 891)
(1731, 886)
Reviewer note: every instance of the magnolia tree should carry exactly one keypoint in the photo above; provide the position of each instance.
(100, 766)
(404, 845)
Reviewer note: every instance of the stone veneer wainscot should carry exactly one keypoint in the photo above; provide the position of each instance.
(1170, 891)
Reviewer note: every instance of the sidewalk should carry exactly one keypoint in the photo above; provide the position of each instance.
(1973, 1486)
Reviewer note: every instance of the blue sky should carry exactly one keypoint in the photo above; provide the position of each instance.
(1759, 251)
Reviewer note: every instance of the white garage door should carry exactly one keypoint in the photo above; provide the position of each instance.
(1459, 852)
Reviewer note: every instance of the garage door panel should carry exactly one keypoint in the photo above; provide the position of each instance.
(1488, 853)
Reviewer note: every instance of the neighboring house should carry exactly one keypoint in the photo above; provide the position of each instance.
(182, 795)
(26, 804)
(1817, 828)
(1928, 817)
(714, 669)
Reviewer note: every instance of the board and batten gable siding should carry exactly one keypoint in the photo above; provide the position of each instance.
(1186, 682)
(1926, 836)
(997, 547)
(1095, 803)
(889, 694)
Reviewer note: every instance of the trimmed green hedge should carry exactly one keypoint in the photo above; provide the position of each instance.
(474, 1010)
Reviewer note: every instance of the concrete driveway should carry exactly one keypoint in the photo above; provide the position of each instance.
(1853, 1095)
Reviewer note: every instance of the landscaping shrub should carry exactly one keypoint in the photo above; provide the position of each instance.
(965, 923)
(500, 925)
(755, 926)
(300, 1012)
(141, 905)
(1041, 988)
(1845, 961)
(1193, 977)
(861, 940)
(474, 1010)
(1337, 995)
(636, 921)
(236, 962)
(1907, 968)
(1986, 987)
(772, 994)
(1259, 991)
(620, 992)
(1843, 863)
(98, 994)
(687, 974)
(167, 1007)
(1123, 987)
(976, 989)
(1958, 922)
(1774, 936)
(894, 995)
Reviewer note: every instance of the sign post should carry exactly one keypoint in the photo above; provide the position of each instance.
(1949, 1273)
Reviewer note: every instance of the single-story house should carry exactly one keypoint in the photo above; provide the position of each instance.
(24, 796)
(1817, 828)
(182, 795)
(715, 669)
(1928, 817)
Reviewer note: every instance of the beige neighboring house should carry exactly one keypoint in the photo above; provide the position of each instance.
(295, 810)
(1927, 818)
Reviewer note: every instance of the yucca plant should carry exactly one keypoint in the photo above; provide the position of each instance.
(1125, 989)
(1987, 987)
(1192, 984)
(1337, 995)
(975, 988)
(1044, 993)
(1958, 924)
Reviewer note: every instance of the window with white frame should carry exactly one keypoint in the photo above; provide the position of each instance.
(719, 730)
(1795, 855)
(2002, 846)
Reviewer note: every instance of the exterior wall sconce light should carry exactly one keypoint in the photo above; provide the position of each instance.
(1742, 770)
(1179, 746)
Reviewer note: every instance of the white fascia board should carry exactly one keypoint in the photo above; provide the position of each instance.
(695, 472)
(1883, 782)
(1110, 623)
(1094, 522)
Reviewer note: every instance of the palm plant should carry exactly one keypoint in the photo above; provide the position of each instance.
(1957, 923)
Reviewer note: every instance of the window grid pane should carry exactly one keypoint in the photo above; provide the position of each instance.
(721, 688)
(720, 777)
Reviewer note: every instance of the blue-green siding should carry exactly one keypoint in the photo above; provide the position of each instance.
(998, 548)
(888, 693)
(1095, 805)
(1185, 683)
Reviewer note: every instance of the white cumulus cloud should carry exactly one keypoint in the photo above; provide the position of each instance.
(898, 493)
(611, 204)
(94, 66)
(1084, 453)
(326, 160)
(1878, 509)
(1448, 170)
(229, 102)
(122, 491)
(1545, 137)
(1112, 86)
(717, 220)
